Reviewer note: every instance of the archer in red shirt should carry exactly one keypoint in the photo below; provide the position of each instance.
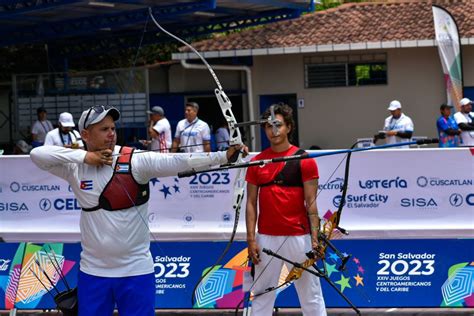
(287, 216)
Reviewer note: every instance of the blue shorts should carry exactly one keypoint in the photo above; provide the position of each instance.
(133, 296)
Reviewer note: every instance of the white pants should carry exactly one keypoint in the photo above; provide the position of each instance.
(268, 271)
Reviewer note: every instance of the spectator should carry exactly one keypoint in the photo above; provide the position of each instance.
(40, 128)
(192, 134)
(21, 148)
(222, 136)
(159, 130)
(448, 129)
(398, 127)
(465, 121)
(64, 135)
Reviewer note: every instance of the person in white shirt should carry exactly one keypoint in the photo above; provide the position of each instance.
(192, 134)
(64, 135)
(222, 136)
(110, 183)
(465, 121)
(159, 130)
(40, 128)
(398, 127)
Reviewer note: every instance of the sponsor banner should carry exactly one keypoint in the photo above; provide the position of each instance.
(389, 273)
(405, 190)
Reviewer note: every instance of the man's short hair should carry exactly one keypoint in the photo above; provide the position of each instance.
(40, 110)
(193, 104)
(444, 107)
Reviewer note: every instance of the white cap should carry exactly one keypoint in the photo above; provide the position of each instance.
(24, 147)
(66, 119)
(394, 105)
(96, 114)
(465, 101)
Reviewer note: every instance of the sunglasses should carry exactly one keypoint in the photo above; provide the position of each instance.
(97, 109)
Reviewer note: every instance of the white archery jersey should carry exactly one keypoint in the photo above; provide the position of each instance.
(114, 243)
(402, 124)
(192, 135)
(56, 138)
(466, 136)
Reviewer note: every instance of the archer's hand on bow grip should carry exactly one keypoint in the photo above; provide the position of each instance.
(235, 151)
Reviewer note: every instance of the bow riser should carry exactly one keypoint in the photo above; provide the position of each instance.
(235, 137)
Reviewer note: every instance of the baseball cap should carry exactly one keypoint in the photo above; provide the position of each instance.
(445, 106)
(157, 110)
(24, 147)
(465, 101)
(394, 105)
(66, 119)
(96, 114)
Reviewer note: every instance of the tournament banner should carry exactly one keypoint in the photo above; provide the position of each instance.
(399, 273)
(432, 195)
(427, 273)
(449, 48)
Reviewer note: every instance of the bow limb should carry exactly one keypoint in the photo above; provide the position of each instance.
(235, 138)
(329, 227)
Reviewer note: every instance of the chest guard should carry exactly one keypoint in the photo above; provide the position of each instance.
(290, 175)
(122, 191)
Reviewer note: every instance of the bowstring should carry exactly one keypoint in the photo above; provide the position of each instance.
(240, 177)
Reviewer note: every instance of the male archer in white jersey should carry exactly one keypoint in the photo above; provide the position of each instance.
(116, 268)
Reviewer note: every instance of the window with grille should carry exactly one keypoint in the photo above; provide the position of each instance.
(345, 71)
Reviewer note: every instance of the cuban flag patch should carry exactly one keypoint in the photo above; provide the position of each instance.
(86, 185)
(122, 168)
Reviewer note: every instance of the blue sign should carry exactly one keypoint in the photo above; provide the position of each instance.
(380, 273)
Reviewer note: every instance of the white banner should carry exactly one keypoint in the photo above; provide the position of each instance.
(449, 48)
(392, 193)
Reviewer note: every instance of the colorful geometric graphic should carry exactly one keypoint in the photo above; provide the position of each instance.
(222, 288)
(215, 287)
(34, 271)
(458, 289)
